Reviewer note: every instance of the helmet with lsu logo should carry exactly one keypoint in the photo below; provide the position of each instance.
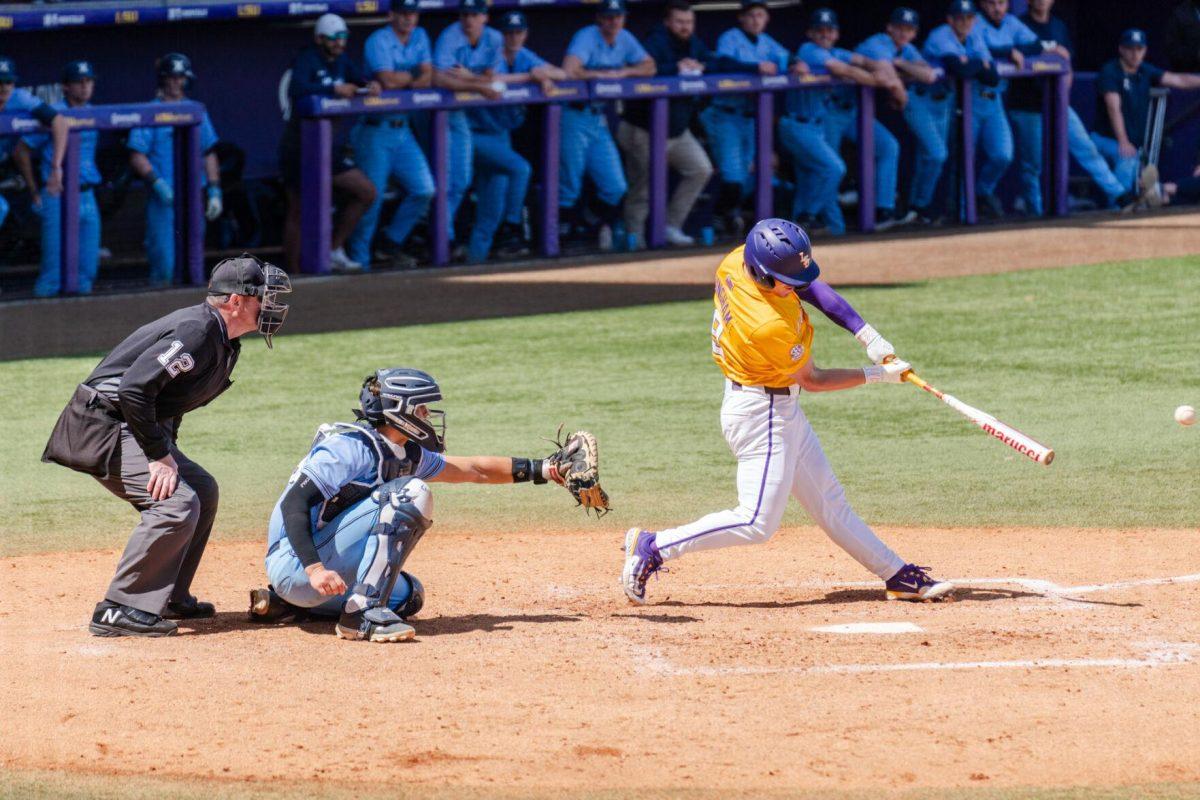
(778, 251)
(400, 397)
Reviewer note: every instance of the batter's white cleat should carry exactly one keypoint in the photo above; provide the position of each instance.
(913, 583)
(641, 561)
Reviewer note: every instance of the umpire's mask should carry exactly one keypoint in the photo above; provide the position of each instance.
(250, 275)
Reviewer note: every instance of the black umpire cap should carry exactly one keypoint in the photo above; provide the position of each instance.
(241, 275)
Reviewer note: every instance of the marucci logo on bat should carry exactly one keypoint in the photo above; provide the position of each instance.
(1023, 449)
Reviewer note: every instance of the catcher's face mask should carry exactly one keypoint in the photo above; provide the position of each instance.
(272, 313)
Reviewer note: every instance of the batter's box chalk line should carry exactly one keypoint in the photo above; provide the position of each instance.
(1153, 654)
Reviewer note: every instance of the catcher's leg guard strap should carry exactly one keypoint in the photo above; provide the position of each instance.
(405, 508)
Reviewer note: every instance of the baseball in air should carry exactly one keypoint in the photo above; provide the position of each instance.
(1185, 415)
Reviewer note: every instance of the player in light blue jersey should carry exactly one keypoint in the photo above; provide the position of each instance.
(359, 502)
(466, 58)
(822, 54)
(78, 82)
(601, 51)
(959, 48)
(501, 174)
(152, 158)
(399, 57)
(729, 121)
(18, 101)
(1007, 38)
(926, 104)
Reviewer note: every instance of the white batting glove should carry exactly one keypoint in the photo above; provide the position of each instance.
(878, 348)
(891, 372)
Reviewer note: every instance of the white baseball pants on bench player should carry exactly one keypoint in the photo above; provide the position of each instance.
(778, 455)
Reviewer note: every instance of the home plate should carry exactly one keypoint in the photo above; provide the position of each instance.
(869, 627)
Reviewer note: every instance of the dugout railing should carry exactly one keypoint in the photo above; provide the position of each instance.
(1055, 74)
(317, 113)
(185, 117)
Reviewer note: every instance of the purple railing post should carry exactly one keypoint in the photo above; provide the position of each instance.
(316, 194)
(658, 172)
(440, 147)
(194, 206)
(69, 218)
(866, 158)
(1062, 165)
(764, 201)
(551, 123)
(966, 87)
(1049, 131)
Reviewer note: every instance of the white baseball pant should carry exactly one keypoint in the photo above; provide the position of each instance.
(778, 454)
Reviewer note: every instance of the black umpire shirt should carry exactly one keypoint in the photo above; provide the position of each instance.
(165, 369)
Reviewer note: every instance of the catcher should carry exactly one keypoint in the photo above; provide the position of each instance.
(359, 502)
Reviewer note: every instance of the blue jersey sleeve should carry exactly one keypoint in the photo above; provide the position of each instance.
(581, 45)
(1021, 33)
(941, 44)
(422, 48)
(375, 54)
(430, 465)
(208, 134)
(727, 44)
(140, 140)
(444, 56)
(776, 52)
(877, 48)
(1154, 73)
(814, 55)
(632, 49)
(337, 461)
(527, 61)
(912, 54)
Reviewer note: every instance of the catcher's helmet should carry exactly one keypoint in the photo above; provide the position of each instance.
(779, 250)
(392, 396)
(173, 64)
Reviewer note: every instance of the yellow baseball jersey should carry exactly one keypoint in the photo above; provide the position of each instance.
(758, 338)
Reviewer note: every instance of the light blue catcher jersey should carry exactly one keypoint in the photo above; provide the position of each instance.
(348, 461)
(735, 43)
(158, 144)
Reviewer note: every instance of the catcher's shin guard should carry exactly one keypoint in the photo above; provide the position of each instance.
(406, 507)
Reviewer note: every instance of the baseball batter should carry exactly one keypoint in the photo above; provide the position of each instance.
(359, 502)
(762, 341)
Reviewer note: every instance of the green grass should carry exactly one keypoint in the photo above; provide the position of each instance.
(1091, 360)
(61, 786)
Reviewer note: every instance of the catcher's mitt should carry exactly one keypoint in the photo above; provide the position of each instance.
(576, 466)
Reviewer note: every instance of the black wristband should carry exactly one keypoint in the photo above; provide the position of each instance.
(527, 469)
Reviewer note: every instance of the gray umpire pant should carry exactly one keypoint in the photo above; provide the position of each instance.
(164, 551)
(685, 155)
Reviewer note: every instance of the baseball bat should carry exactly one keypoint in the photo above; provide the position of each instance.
(1006, 433)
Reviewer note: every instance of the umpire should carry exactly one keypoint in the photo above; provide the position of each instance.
(121, 427)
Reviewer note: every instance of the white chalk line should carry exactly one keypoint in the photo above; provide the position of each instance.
(1158, 654)
(1036, 585)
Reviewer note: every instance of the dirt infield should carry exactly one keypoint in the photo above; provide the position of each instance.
(1070, 658)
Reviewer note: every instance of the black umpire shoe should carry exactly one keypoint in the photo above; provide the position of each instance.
(114, 619)
(191, 608)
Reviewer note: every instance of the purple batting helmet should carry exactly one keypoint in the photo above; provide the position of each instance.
(779, 250)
